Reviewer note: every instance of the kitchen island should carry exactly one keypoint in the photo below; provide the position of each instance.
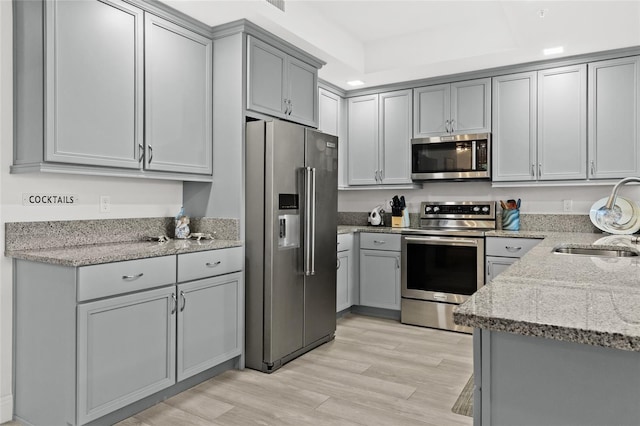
(557, 336)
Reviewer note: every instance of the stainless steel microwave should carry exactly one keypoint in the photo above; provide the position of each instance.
(456, 157)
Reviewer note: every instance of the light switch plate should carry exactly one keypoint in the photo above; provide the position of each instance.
(105, 204)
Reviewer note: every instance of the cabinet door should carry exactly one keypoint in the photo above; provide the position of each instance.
(328, 112)
(395, 136)
(344, 282)
(514, 127)
(94, 83)
(178, 94)
(431, 110)
(380, 279)
(562, 127)
(363, 140)
(614, 93)
(126, 348)
(209, 323)
(266, 78)
(471, 106)
(302, 92)
(496, 265)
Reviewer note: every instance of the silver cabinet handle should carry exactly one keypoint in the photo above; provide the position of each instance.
(446, 126)
(132, 277)
(290, 107)
(184, 301)
(512, 249)
(451, 128)
(150, 153)
(381, 175)
(338, 265)
(175, 303)
(286, 106)
(379, 242)
(397, 263)
(213, 265)
(140, 153)
(593, 168)
(539, 170)
(375, 175)
(533, 170)
(310, 221)
(489, 268)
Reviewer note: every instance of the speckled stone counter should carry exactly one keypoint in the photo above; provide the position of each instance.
(348, 229)
(573, 298)
(91, 242)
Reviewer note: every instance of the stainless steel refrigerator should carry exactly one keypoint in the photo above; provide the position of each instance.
(291, 239)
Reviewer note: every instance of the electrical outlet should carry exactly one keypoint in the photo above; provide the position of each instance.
(105, 204)
(567, 205)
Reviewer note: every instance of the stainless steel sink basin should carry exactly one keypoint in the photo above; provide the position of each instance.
(595, 251)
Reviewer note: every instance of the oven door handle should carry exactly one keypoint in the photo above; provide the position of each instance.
(443, 241)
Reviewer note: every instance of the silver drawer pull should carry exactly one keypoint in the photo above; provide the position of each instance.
(184, 301)
(513, 249)
(213, 265)
(379, 242)
(132, 277)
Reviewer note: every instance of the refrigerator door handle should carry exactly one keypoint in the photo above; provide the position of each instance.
(310, 221)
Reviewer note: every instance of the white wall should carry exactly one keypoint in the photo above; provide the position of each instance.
(535, 199)
(129, 198)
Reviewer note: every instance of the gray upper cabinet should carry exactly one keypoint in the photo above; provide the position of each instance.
(280, 85)
(455, 108)
(178, 95)
(514, 127)
(539, 125)
(328, 112)
(380, 139)
(614, 93)
(99, 82)
(562, 127)
(363, 140)
(94, 83)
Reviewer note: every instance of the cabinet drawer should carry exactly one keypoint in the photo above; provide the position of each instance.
(124, 277)
(509, 247)
(345, 242)
(375, 241)
(202, 264)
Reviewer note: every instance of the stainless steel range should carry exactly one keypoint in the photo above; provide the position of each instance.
(443, 261)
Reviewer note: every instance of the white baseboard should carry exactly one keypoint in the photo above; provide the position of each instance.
(6, 408)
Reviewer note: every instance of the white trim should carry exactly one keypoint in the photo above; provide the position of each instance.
(6, 408)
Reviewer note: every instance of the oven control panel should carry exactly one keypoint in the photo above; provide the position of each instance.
(458, 210)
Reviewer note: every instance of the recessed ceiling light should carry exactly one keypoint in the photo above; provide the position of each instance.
(553, 50)
(355, 83)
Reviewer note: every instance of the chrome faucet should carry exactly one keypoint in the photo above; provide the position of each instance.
(610, 213)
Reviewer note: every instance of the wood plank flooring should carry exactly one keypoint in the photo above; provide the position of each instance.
(376, 372)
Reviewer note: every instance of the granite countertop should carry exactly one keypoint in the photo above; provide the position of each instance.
(348, 229)
(582, 299)
(93, 254)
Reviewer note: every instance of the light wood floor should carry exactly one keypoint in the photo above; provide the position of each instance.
(376, 372)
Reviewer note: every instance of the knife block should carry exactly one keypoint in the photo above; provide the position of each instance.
(400, 221)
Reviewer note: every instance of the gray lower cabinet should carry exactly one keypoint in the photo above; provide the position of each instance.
(346, 288)
(209, 323)
(126, 350)
(380, 270)
(614, 102)
(116, 333)
(281, 85)
(502, 252)
(98, 82)
(455, 108)
(178, 98)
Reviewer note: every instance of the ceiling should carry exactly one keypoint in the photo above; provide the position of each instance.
(388, 41)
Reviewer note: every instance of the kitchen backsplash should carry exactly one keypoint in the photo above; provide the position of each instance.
(528, 222)
(48, 234)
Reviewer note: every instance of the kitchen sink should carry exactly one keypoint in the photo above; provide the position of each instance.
(596, 251)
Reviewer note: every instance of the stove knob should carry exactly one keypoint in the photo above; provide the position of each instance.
(485, 209)
(436, 209)
(476, 209)
(427, 209)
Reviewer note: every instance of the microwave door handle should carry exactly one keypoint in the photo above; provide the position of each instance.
(474, 156)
